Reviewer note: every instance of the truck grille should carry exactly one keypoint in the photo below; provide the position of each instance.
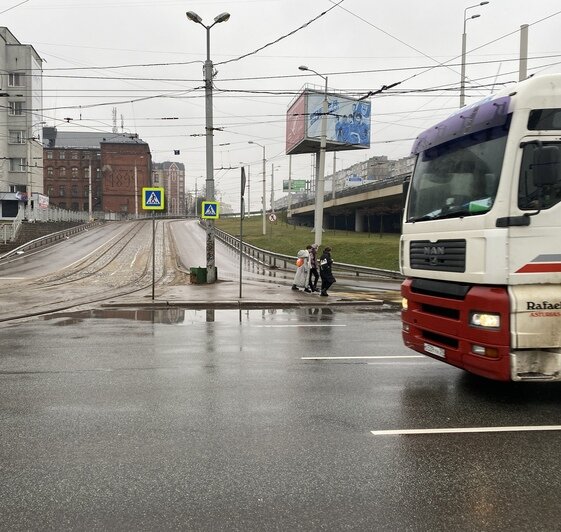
(442, 255)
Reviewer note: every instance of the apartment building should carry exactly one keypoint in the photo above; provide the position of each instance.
(171, 176)
(21, 151)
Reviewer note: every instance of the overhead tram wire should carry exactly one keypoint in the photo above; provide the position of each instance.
(282, 37)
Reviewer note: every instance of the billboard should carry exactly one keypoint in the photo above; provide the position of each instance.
(348, 123)
(296, 123)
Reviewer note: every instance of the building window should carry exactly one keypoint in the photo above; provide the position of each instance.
(61, 191)
(62, 155)
(49, 155)
(15, 79)
(74, 191)
(16, 109)
(17, 137)
(62, 205)
(74, 155)
(62, 171)
(86, 173)
(74, 172)
(75, 206)
(50, 171)
(86, 191)
(50, 191)
(18, 165)
(98, 173)
(17, 188)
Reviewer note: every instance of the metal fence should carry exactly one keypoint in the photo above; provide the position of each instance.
(288, 262)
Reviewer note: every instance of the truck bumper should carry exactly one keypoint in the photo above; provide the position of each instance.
(535, 365)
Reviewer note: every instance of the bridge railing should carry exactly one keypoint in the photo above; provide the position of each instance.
(288, 262)
(360, 189)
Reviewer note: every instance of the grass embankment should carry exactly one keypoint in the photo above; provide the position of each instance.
(374, 250)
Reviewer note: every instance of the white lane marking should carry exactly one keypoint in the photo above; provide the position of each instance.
(301, 325)
(364, 357)
(399, 363)
(458, 430)
(92, 252)
(12, 278)
(134, 259)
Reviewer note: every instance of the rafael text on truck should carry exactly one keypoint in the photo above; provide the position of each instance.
(481, 240)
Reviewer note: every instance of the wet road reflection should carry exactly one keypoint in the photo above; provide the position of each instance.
(180, 316)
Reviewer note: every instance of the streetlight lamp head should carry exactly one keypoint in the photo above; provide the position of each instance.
(223, 17)
(483, 3)
(191, 15)
(303, 67)
(475, 16)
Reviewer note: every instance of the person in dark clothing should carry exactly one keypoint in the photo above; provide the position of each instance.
(325, 272)
(314, 275)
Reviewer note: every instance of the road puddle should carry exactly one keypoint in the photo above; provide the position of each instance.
(182, 316)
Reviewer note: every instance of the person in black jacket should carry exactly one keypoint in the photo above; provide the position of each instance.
(325, 272)
(314, 274)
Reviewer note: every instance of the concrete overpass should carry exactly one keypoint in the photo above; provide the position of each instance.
(376, 207)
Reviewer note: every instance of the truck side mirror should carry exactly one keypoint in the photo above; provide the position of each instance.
(546, 167)
(405, 191)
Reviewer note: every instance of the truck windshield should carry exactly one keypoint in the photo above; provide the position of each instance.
(458, 178)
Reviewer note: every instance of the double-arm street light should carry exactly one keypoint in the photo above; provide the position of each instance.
(464, 38)
(320, 178)
(264, 189)
(209, 131)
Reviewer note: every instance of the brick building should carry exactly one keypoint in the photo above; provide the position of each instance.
(126, 167)
(118, 165)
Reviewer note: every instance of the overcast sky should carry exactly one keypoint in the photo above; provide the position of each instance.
(148, 65)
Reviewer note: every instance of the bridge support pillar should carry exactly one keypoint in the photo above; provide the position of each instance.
(359, 221)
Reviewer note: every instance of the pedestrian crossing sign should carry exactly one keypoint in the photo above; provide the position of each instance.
(210, 210)
(153, 198)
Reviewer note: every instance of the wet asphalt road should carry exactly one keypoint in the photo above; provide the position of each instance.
(220, 420)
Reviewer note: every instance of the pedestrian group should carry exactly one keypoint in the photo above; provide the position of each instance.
(307, 266)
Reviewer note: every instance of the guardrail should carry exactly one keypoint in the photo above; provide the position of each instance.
(51, 238)
(287, 262)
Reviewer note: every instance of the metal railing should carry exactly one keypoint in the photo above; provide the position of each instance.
(51, 238)
(288, 262)
(10, 229)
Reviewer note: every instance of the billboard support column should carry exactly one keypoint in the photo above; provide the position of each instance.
(289, 207)
(320, 178)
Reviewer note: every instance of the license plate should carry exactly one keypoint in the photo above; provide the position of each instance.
(434, 350)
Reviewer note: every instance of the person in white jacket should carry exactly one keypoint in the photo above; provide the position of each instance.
(302, 275)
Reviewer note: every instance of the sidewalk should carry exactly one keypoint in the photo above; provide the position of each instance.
(226, 294)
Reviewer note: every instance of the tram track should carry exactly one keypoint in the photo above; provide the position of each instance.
(121, 268)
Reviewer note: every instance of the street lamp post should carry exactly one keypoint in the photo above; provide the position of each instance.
(135, 191)
(320, 178)
(464, 39)
(264, 189)
(210, 234)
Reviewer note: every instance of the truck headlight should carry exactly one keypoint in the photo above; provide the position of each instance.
(485, 319)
